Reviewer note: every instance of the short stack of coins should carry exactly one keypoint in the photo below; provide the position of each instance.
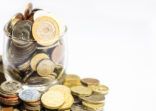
(31, 99)
(35, 48)
(9, 93)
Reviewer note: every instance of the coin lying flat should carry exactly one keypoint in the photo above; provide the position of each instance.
(52, 99)
(45, 30)
(100, 89)
(45, 67)
(93, 106)
(61, 88)
(81, 90)
(57, 54)
(71, 80)
(36, 59)
(11, 86)
(29, 95)
(90, 81)
(76, 107)
(93, 98)
(32, 108)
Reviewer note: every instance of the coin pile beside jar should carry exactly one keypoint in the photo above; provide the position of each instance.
(88, 95)
(35, 48)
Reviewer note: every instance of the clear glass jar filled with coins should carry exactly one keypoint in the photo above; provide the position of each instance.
(34, 48)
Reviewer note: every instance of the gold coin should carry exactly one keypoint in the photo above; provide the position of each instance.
(81, 90)
(95, 98)
(90, 81)
(100, 89)
(45, 30)
(52, 99)
(69, 100)
(45, 67)
(93, 106)
(35, 60)
(64, 89)
(72, 80)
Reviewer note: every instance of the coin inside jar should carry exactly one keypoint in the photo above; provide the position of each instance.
(45, 30)
(36, 59)
(57, 54)
(45, 67)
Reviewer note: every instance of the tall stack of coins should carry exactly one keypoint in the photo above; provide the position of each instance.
(34, 52)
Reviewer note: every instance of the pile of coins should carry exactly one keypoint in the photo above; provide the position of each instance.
(85, 95)
(9, 93)
(35, 48)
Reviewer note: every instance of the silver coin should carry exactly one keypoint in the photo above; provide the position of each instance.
(29, 95)
(11, 86)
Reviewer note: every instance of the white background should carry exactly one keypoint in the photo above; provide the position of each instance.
(112, 40)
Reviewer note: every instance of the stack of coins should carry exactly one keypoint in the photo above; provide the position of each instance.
(31, 99)
(8, 93)
(35, 48)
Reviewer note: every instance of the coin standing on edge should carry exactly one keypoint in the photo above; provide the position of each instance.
(45, 30)
(36, 59)
(45, 67)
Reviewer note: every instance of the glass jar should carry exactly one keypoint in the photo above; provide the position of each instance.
(34, 65)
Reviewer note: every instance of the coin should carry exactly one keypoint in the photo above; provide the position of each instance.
(81, 90)
(90, 81)
(61, 88)
(95, 98)
(45, 30)
(28, 10)
(69, 100)
(36, 103)
(71, 80)
(77, 107)
(36, 59)
(29, 95)
(22, 30)
(100, 89)
(16, 18)
(57, 54)
(93, 106)
(7, 109)
(45, 67)
(11, 86)
(32, 108)
(52, 99)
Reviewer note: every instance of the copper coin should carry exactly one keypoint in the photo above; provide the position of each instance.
(90, 81)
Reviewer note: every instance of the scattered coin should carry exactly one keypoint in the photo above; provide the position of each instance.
(52, 99)
(29, 95)
(100, 89)
(36, 59)
(77, 107)
(45, 67)
(45, 31)
(90, 81)
(61, 88)
(72, 80)
(11, 86)
(94, 107)
(81, 90)
(95, 98)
